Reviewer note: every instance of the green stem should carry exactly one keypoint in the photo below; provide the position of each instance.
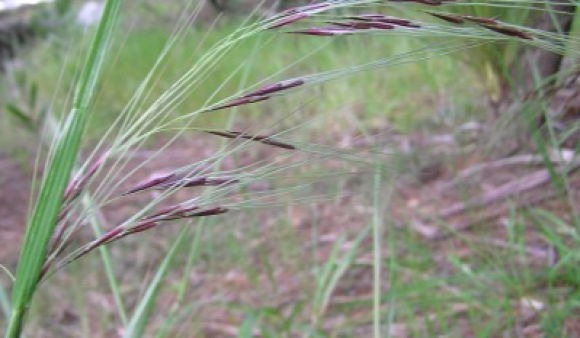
(43, 221)
(15, 325)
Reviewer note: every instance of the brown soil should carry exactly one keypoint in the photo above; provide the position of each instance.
(414, 200)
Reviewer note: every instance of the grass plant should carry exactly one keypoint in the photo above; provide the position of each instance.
(138, 89)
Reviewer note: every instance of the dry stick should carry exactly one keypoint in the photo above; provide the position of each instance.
(494, 213)
(521, 159)
(521, 185)
(526, 183)
(530, 250)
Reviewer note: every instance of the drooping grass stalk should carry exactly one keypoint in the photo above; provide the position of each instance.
(43, 221)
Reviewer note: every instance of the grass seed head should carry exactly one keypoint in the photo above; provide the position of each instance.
(324, 31)
(239, 102)
(79, 182)
(288, 20)
(364, 25)
(276, 87)
(456, 19)
(313, 8)
(197, 182)
(259, 138)
(156, 181)
(424, 2)
(509, 31)
(481, 20)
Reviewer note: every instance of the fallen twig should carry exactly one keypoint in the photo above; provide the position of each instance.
(437, 234)
(563, 158)
(511, 188)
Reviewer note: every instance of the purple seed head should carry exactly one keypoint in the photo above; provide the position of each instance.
(193, 211)
(142, 226)
(209, 212)
(381, 25)
(151, 183)
(288, 20)
(163, 212)
(308, 8)
(274, 88)
(484, 21)
(324, 31)
(509, 32)
(259, 138)
(424, 2)
(112, 235)
(72, 192)
(353, 25)
(197, 182)
(279, 144)
(239, 102)
(456, 19)
(367, 17)
(222, 134)
(76, 185)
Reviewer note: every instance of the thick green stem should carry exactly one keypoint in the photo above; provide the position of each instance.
(15, 324)
(43, 221)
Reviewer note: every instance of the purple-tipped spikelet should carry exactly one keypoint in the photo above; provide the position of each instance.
(489, 23)
(208, 212)
(456, 19)
(288, 20)
(313, 8)
(278, 144)
(324, 31)
(167, 214)
(368, 17)
(140, 227)
(460, 19)
(173, 180)
(179, 212)
(261, 94)
(163, 212)
(78, 183)
(382, 18)
(274, 88)
(197, 182)
(364, 25)
(258, 138)
(239, 102)
(156, 181)
(509, 31)
(109, 237)
(481, 20)
(424, 2)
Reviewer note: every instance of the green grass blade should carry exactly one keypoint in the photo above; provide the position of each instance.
(48, 205)
(144, 310)
(25, 120)
(247, 329)
(5, 302)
